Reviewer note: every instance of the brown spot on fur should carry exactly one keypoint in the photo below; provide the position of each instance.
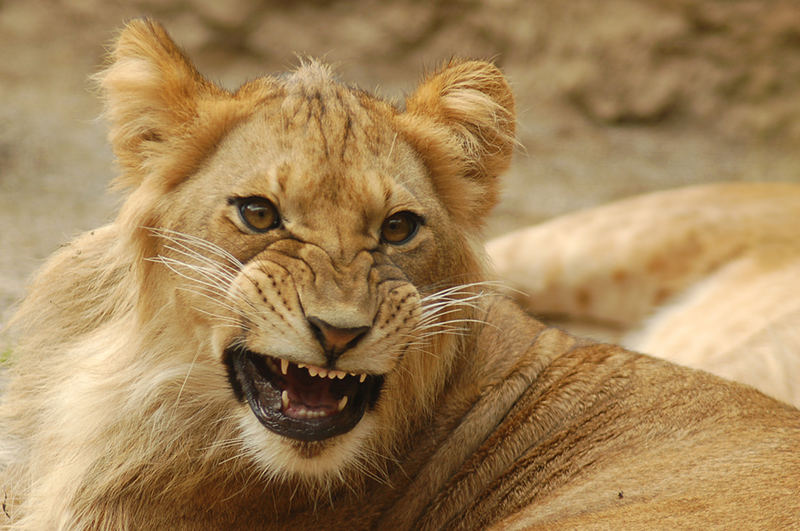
(584, 298)
(661, 295)
(619, 276)
(656, 264)
(281, 176)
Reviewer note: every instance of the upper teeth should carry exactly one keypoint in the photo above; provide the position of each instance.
(319, 372)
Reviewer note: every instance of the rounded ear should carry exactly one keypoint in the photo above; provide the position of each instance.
(461, 121)
(153, 98)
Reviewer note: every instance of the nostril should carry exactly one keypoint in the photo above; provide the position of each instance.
(333, 339)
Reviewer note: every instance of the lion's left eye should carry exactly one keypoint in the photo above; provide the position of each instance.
(400, 228)
(258, 214)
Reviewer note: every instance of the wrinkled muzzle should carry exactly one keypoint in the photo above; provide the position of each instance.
(318, 338)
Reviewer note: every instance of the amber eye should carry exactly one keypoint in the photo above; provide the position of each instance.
(399, 228)
(258, 214)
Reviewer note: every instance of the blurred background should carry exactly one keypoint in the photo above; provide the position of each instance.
(615, 98)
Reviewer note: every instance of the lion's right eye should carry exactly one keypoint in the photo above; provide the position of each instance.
(258, 214)
(399, 228)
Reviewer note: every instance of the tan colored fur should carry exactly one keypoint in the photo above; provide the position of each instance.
(706, 276)
(119, 412)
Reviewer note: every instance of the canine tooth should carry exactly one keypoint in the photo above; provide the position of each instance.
(362, 378)
(284, 366)
(342, 403)
(285, 399)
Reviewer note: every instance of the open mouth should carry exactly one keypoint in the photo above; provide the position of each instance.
(301, 401)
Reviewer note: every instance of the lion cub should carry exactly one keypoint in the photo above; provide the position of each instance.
(289, 326)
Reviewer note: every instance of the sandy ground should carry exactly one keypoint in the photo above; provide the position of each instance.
(615, 98)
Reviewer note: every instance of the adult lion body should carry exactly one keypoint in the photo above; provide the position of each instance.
(705, 276)
(287, 327)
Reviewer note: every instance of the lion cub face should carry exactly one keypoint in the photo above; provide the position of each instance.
(317, 240)
(316, 246)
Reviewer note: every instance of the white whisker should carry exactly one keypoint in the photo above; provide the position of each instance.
(172, 264)
(183, 238)
(217, 271)
(215, 300)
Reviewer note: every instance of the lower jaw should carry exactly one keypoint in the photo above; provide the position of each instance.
(325, 463)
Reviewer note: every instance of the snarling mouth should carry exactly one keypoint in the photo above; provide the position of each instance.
(301, 401)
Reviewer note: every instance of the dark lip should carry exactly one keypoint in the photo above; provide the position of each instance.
(252, 380)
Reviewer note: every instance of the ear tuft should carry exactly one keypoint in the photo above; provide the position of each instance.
(151, 92)
(461, 120)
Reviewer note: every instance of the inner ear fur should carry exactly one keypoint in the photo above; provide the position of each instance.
(157, 104)
(461, 121)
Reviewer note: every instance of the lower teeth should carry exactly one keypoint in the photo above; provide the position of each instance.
(285, 399)
(307, 413)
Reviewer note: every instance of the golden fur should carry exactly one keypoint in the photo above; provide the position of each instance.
(705, 276)
(139, 391)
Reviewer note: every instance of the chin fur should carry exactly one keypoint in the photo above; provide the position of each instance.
(323, 463)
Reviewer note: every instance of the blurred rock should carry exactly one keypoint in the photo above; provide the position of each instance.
(230, 14)
(614, 98)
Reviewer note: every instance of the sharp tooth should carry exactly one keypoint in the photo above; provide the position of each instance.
(341, 375)
(284, 366)
(285, 399)
(312, 371)
(322, 373)
(362, 378)
(342, 403)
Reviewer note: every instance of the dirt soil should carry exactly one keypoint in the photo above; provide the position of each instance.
(615, 98)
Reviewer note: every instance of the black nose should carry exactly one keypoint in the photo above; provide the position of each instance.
(335, 340)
